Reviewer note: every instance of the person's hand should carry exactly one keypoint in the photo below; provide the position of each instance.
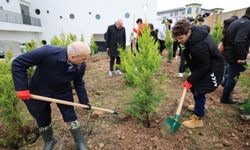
(89, 108)
(23, 95)
(241, 62)
(187, 85)
(107, 49)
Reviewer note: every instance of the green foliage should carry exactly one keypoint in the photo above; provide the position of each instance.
(56, 41)
(245, 107)
(72, 37)
(82, 37)
(245, 86)
(140, 69)
(64, 39)
(169, 45)
(10, 114)
(29, 46)
(217, 32)
(93, 46)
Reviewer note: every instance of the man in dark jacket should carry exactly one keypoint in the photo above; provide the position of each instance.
(56, 67)
(115, 38)
(236, 47)
(205, 62)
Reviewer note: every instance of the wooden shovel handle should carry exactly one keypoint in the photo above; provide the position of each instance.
(58, 101)
(178, 111)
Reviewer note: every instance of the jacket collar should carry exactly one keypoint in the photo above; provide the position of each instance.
(63, 55)
(247, 17)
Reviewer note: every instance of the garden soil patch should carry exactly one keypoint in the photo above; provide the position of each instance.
(223, 128)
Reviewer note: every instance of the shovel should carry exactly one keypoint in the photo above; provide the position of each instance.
(58, 101)
(174, 122)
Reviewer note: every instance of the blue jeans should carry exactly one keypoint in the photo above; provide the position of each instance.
(199, 107)
(233, 75)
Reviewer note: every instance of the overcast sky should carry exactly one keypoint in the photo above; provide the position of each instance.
(228, 5)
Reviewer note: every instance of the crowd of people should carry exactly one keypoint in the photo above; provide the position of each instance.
(56, 67)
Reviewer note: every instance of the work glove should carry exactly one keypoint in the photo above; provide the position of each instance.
(88, 105)
(187, 85)
(23, 95)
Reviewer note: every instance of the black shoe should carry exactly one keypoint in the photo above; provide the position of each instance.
(229, 101)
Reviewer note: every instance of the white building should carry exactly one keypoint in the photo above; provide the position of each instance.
(190, 10)
(24, 20)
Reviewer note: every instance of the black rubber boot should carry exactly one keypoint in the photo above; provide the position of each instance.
(48, 137)
(78, 138)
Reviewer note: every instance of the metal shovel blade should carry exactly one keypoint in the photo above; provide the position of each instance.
(174, 124)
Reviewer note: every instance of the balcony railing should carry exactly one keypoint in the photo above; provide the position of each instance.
(13, 17)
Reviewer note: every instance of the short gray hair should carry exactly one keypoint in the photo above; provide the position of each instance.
(77, 48)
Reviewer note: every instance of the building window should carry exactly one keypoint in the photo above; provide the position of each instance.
(183, 12)
(7, 1)
(71, 16)
(61, 17)
(97, 17)
(127, 15)
(189, 11)
(90, 13)
(25, 14)
(176, 13)
(1, 7)
(37, 11)
(47, 11)
(171, 14)
(197, 10)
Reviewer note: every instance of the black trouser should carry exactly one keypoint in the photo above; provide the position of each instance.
(183, 65)
(175, 47)
(112, 62)
(161, 46)
(41, 110)
(234, 71)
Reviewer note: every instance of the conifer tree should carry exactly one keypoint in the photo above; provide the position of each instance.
(217, 32)
(93, 46)
(140, 68)
(10, 113)
(169, 45)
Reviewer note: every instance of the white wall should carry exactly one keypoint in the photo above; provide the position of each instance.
(19, 36)
(110, 11)
(5, 26)
(13, 5)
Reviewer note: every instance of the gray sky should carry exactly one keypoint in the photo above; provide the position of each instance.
(228, 5)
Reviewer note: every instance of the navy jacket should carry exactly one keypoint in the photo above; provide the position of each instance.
(204, 60)
(53, 74)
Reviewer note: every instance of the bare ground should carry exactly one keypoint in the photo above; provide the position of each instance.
(223, 128)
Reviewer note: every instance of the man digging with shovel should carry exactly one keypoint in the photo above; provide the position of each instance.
(205, 62)
(56, 67)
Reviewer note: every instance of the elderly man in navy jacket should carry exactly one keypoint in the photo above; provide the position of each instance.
(56, 67)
